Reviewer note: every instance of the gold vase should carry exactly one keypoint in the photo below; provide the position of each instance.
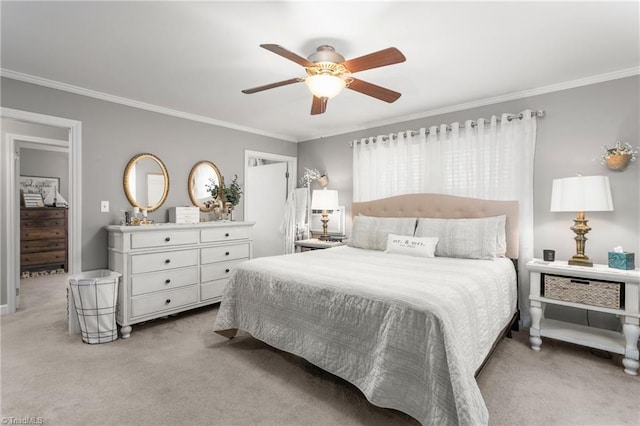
(618, 162)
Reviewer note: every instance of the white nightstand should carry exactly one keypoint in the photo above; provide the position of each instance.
(625, 343)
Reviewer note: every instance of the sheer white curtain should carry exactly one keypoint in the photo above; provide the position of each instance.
(490, 159)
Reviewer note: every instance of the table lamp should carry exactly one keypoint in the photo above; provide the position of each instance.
(324, 199)
(581, 194)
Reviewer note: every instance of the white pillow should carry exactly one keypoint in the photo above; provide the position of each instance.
(371, 233)
(411, 246)
(478, 238)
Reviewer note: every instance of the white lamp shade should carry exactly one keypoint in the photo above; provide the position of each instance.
(325, 85)
(581, 194)
(324, 199)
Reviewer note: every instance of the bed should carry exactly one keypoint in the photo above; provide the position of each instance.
(410, 331)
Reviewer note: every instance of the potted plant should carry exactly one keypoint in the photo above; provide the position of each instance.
(228, 195)
(619, 156)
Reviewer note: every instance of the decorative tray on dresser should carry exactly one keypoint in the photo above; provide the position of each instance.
(43, 239)
(169, 268)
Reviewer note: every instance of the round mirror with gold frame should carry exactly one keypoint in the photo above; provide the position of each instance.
(204, 174)
(146, 182)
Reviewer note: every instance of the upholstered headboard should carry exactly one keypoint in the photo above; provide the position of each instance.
(444, 206)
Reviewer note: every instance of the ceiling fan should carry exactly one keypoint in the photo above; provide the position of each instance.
(329, 73)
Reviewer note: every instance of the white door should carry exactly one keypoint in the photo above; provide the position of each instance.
(265, 197)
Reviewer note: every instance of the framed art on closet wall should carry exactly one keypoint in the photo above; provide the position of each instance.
(39, 185)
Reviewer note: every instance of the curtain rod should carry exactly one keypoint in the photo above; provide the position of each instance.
(539, 113)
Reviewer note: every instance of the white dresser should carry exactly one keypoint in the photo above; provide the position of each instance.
(169, 268)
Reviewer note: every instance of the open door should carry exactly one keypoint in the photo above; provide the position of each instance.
(268, 181)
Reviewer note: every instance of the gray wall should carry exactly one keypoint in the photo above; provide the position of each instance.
(570, 137)
(113, 133)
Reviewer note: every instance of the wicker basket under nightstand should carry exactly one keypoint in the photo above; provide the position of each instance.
(579, 290)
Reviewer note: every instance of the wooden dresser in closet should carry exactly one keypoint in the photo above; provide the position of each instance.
(43, 239)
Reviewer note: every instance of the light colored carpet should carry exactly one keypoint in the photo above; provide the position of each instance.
(177, 371)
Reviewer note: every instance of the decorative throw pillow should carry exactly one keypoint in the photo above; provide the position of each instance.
(371, 233)
(411, 246)
(478, 238)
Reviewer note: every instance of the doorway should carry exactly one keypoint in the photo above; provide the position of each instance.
(10, 198)
(269, 178)
(41, 161)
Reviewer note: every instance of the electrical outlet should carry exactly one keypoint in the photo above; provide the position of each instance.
(104, 206)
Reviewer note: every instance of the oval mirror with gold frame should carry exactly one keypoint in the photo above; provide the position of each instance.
(146, 182)
(203, 174)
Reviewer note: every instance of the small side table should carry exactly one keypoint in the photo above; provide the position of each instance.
(316, 244)
(625, 343)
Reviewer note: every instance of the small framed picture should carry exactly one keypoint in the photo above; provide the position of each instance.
(32, 200)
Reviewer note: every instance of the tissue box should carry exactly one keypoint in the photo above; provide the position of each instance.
(184, 215)
(621, 260)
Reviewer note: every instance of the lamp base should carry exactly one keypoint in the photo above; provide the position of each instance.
(579, 260)
(581, 228)
(325, 226)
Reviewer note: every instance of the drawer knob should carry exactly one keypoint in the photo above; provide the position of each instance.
(226, 254)
(226, 235)
(167, 261)
(167, 239)
(227, 270)
(167, 281)
(167, 301)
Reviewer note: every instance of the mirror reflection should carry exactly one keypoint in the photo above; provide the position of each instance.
(203, 175)
(146, 182)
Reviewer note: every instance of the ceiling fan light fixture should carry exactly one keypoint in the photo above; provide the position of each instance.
(325, 85)
(328, 73)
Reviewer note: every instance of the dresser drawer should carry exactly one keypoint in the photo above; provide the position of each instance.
(218, 270)
(165, 280)
(47, 213)
(33, 246)
(163, 239)
(43, 258)
(52, 223)
(42, 233)
(223, 234)
(163, 301)
(222, 253)
(213, 289)
(152, 262)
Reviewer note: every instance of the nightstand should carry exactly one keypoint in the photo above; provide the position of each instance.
(600, 289)
(316, 244)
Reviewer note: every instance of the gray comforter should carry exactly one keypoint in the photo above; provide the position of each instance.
(408, 332)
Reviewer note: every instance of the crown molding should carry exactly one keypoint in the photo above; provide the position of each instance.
(600, 78)
(27, 78)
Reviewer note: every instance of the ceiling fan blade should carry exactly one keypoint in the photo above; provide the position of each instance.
(272, 85)
(374, 91)
(381, 58)
(319, 105)
(279, 50)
